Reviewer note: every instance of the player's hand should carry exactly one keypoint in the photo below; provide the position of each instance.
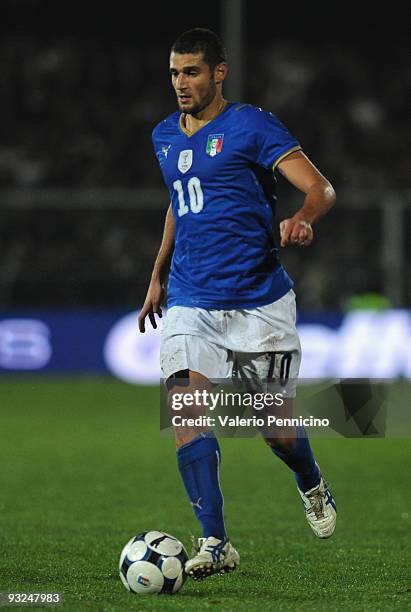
(296, 232)
(152, 305)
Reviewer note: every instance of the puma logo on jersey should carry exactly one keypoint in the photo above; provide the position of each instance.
(162, 154)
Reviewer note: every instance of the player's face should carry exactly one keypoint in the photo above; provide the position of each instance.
(193, 81)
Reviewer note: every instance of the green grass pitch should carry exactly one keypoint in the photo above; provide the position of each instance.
(84, 468)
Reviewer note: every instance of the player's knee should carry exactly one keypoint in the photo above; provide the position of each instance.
(281, 444)
(187, 435)
(178, 379)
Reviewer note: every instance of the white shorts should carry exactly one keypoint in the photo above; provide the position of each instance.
(212, 342)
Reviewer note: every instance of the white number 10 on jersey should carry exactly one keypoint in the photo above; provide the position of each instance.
(195, 194)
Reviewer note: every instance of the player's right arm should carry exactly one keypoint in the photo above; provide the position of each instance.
(155, 293)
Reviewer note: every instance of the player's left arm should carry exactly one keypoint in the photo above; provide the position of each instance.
(319, 197)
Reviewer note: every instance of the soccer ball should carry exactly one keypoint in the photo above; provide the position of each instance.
(153, 562)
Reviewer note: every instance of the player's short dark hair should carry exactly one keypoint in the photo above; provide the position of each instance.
(201, 40)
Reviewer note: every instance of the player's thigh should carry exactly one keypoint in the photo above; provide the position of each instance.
(190, 340)
(270, 371)
(273, 344)
(272, 378)
(190, 363)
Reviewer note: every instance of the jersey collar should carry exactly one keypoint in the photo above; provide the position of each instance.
(190, 134)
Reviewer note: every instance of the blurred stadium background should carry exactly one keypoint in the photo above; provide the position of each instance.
(81, 196)
(81, 214)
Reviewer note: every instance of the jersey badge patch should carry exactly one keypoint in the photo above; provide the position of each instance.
(214, 144)
(185, 160)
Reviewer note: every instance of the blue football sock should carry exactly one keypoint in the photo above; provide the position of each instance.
(199, 463)
(301, 461)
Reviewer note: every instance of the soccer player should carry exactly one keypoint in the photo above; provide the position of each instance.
(230, 302)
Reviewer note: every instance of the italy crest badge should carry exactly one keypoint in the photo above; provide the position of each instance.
(214, 144)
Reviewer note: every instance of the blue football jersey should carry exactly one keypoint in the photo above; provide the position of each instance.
(222, 188)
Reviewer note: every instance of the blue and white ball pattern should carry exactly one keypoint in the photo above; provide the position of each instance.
(153, 562)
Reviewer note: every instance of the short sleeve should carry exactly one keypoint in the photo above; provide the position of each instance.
(273, 140)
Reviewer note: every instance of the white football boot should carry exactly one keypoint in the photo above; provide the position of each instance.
(211, 556)
(320, 509)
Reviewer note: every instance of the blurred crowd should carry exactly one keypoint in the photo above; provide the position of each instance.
(348, 105)
(63, 258)
(79, 114)
(103, 258)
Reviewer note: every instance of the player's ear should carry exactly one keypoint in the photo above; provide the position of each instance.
(220, 72)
